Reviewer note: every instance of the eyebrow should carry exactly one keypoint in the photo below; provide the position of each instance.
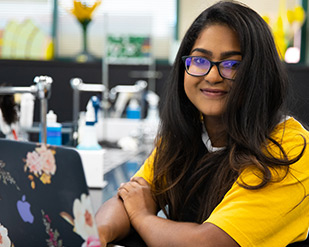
(223, 54)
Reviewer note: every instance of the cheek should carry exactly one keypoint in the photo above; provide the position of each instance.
(188, 83)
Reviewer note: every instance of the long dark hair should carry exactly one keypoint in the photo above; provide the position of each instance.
(8, 107)
(189, 179)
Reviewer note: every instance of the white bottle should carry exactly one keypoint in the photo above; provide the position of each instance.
(89, 140)
(26, 110)
(151, 123)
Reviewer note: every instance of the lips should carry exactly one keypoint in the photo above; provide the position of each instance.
(213, 92)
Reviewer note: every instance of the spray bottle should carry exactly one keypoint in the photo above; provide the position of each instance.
(89, 149)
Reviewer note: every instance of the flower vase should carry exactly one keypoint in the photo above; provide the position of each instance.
(85, 55)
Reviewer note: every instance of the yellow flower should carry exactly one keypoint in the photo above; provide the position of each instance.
(45, 178)
(284, 27)
(82, 11)
(280, 37)
(296, 15)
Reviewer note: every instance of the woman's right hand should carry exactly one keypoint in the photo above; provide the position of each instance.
(137, 197)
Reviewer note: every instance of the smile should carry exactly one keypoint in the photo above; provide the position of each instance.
(214, 92)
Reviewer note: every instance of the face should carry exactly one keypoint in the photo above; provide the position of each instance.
(209, 93)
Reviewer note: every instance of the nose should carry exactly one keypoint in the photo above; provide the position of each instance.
(213, 76)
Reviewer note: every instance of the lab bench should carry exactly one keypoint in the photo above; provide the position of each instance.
(118, 167)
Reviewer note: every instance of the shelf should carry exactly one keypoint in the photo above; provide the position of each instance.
(128, 61)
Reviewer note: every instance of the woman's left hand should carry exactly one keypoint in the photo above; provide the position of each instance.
(137, 198)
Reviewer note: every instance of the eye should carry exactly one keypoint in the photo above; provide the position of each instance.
(200, 60)
(188, 62)
(230, 64)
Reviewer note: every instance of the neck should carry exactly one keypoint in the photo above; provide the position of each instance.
(216, 131)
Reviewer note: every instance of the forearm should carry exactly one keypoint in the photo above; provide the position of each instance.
(112, 220)
(157, 231)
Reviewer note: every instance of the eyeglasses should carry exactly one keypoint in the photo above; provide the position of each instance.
(200, 66)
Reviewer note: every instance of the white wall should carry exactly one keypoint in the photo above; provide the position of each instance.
(69, 32)
(190, 9)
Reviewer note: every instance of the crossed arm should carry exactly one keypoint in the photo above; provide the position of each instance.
(135, 206)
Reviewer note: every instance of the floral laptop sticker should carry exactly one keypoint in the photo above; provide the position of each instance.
(83, 221)
(40, 164)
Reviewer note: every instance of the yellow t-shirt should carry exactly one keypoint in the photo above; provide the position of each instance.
(275, 215)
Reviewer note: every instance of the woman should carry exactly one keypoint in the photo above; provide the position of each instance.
(229, 167)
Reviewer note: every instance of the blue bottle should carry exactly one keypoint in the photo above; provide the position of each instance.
(53, 131)
(133, 110)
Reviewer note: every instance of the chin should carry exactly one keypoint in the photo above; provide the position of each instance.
(212, 113)
(212, 110)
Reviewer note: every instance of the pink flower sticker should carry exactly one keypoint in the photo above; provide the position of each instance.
(83, 221)
(34, 163)
(4, 239)
(41, 163)
(47, 160)
(83, 217)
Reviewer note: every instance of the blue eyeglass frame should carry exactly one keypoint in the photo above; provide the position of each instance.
(184, 58)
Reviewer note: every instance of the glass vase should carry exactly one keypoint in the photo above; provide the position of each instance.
(85, 55)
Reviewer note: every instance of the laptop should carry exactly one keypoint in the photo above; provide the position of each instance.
(44, 198)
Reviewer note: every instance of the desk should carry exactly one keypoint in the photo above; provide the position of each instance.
(119, 166)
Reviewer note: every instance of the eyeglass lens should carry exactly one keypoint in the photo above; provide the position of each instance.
(200, 66)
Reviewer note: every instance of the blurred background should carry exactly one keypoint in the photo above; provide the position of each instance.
(51, 29)
(106, 62)
(118, 41)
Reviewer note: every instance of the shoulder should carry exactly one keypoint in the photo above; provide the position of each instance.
(288, 141)
(289, 128)
(291, 136)
(146, 170)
